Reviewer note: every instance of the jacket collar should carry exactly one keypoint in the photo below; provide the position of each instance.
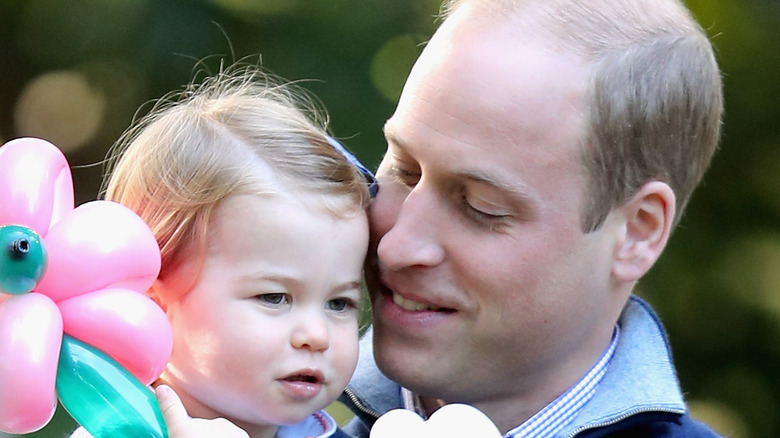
(640, 378)
(370, 391)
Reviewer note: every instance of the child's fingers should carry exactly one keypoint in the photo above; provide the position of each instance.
(172, 410)
(180, 425)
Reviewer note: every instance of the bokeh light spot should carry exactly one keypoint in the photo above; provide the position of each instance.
(763, 179)
(749, 394)
(725, 420)
(60, 107)
(750, 268)
(392, 63)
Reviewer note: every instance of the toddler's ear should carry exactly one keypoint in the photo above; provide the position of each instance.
(175, 283)
(648, 223)
(156, 293)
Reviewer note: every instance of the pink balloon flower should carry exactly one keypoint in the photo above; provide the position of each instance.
(96, 263)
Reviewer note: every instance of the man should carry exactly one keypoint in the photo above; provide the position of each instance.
(539, 157)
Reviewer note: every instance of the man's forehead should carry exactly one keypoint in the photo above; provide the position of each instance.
(520, 89)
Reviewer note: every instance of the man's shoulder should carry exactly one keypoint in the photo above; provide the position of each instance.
(653, 425)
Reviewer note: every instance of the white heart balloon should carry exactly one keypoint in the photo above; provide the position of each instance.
(397, 423)
(452, 421)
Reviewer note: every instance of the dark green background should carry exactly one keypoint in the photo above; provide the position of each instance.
(93, 63)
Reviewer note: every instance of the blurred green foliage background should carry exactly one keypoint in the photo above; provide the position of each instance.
(75, 72)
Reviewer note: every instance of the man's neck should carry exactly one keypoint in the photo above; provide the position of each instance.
(512, 416)
(430, 405)
(509, 413)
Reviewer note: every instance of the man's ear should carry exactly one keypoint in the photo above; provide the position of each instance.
(649, 215)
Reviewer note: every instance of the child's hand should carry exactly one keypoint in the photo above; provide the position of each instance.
(181, 425)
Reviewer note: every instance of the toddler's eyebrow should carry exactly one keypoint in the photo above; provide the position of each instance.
(351, 285)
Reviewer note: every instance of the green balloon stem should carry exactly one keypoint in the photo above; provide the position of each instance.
(105, 398)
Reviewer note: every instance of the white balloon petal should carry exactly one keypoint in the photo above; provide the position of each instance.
(452, 421)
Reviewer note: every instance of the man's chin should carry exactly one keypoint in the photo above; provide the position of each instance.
(400, 362)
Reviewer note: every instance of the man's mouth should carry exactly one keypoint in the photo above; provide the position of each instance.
(415, 306)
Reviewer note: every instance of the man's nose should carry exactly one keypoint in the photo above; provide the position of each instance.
(413, 239)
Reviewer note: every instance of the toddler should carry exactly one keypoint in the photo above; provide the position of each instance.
(260, 218)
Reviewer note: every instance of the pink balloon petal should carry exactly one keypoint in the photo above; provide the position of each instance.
(36, 187)
(100, 244)
(126, 325)
(30, 339)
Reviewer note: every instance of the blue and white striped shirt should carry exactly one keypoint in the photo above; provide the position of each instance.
(561, 411)
(556, 415)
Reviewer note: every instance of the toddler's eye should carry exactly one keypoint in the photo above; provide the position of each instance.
(340, 304)
(274, 298)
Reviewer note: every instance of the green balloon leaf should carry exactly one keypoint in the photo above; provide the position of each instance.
(105, 398)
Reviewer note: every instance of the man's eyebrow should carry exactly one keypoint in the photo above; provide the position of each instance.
(392, 136)
(515, 189)
(517, 193)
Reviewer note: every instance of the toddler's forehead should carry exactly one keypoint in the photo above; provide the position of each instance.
(281, 208)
